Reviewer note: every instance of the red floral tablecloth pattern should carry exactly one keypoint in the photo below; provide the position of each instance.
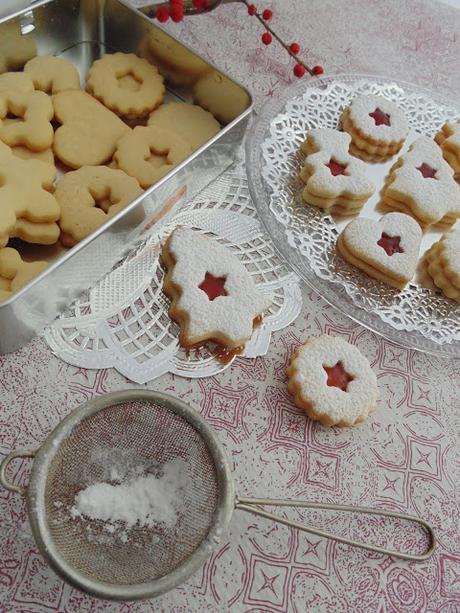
(407, 457)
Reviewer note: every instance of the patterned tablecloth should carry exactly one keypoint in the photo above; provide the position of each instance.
(407, 457)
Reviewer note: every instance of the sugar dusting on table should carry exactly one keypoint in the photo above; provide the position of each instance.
(145, 501)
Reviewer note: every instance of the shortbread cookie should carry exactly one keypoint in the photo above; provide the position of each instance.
(177, 64)
(16, 48)
(26, 154)
(421, 183)
(36, 233)
(149, 153)
(332, 382)
(386, 250)
(36, 111)
(24, 193)
(19, 81)
(137, 97)
(89, 132)
(88, 197)
(52, 74)
(377, 127)
(448, 138)
(221, 96)
(15, 273)
(213, 297)
(443, 260)
(188, 121)
(334, 180)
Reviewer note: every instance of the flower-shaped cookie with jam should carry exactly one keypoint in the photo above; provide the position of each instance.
(213, 297)
(334, 180)
(332, 382)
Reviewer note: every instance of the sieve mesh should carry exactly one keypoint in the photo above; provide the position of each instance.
(136, 433)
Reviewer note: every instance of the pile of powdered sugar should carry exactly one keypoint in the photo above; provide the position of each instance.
(145, 501)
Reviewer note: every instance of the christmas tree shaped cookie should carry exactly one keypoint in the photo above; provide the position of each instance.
(213, 297)
(421, 184)
(334, 180)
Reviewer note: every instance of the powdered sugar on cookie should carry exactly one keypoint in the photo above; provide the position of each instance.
(449, 140)
(332, 381)
(422, 184)
(333, 178)
(213, 295)
(386, 250)
(444, 264)
(378, 118)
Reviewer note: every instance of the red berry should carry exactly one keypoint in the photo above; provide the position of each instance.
(295, 48)
(177, 12)
(317, 70)
(267, 14)
(177, 2)
(162, 14)
(252, 9)
(299, 70)
(266, 38)
(200, 5)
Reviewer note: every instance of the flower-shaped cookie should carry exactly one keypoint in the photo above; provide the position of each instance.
(386, 250)
(332, 382)
(213, 296)
(448, 138)
(421, 183)
(444, 264)
(334, 180)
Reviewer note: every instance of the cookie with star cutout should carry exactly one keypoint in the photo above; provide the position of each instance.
(332, 382)
(213, 296)
(386, 250)
(378, 128)
(421, 183)
(334, 180)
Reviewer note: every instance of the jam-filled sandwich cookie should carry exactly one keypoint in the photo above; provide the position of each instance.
(386, 250)
(334, 180)
(448, 138)
(443, 261)
(213, 297)
(332, 382)
(378, 128)
(421, 183)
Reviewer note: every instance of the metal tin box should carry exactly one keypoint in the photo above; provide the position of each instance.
(82, 31)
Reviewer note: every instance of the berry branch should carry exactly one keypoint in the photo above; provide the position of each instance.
(176, 12)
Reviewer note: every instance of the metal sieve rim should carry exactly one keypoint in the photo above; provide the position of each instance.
(36, 498)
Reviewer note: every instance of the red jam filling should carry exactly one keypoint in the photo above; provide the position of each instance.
(427, 171)
(337, 376)
(336, 168)
(390, 244)
(380, 118)
(213, 286)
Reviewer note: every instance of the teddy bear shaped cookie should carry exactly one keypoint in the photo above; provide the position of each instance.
(334, 180)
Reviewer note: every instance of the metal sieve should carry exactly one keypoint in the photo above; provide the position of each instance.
(149, 427)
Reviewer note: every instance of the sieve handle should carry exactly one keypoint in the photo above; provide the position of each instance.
(21, 453)
(251, 506)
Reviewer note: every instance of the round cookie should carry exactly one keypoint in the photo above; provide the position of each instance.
(332, 382)
(148, 153)
(36, 111)
(378, 128)
(221, 96)
(139, 92)
(189, 121)
(52, 74)
(89, 197)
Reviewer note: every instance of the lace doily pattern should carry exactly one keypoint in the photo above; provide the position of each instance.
(123, 321)
(313, 234)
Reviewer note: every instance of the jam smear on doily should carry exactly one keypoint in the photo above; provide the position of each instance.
(336, 168)
(390, 244)
(213, 286)
(427, 171)
(337, 376)
(224, 354)
(380, 117)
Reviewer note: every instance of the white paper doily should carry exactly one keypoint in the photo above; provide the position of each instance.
(307, 237)
(123, 321)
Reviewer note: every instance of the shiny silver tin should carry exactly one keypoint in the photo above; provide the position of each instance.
(83, 30)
